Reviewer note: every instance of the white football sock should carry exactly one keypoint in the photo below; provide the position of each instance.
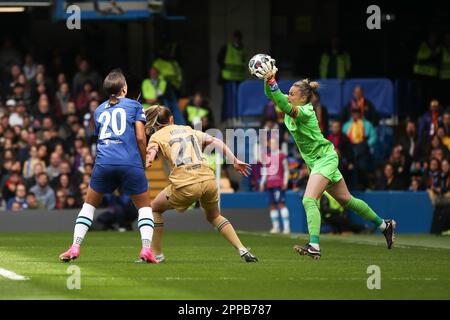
(83, 223)
(382, 226)
(146, 225)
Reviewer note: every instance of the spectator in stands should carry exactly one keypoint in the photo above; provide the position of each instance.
(53, 167)
(61, 99)
(446, 122)
(60, 199)
(390, 181)
(66, 168)
(88, 121)
(169, 69)
(321, 113)
(83, 97)
(232, 61)
(415, 185)
(410, 141)
(29, 165)
(43, 152)
(363, 137)
(366, 107)
(206, 124)
(432, 179)
(61, 78)
(18, 92)
(335, 63)
(444, 138)
(430, 122)
(43, 79)
(29, 68)
(11, 184)
(344, 149)
(153, 89)
(71, 202)
(63, 183)
(445, 178)
(32, 202)
(44, 193)
(19, 198)
(38, 168)
(436, 149)
(22, 80)
(401, 165)
(84, 75)
(18, 115)
(43, 108)
(197, 108)
(13, 78)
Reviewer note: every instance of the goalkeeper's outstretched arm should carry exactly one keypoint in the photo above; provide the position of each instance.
(274, 93)
(267, 72)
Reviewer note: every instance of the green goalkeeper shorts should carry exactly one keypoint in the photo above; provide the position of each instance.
(327, 166)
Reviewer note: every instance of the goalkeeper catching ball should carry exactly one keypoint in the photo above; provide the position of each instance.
(320, 157)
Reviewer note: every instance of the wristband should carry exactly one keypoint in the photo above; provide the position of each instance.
(272, 84)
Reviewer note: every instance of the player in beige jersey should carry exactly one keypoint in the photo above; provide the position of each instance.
(191, 178)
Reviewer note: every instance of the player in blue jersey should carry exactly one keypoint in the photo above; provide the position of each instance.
(120, 162)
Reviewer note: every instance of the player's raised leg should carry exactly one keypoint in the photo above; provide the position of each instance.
(159, 205)
(82, 224)
(314, 189)
(145, 225)
(340, 193)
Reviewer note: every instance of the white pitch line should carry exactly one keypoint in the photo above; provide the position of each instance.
(11, 275)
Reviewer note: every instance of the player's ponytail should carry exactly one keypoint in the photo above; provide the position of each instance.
(307, 88)
(113, 85)
(156, 117)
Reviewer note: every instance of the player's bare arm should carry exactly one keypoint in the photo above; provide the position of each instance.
(141, 139)
(240, 166)
(152, 151)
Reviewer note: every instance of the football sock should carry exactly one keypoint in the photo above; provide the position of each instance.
(146, 225)
(285, 216)
(274, 218)
(157, 233)
(313, 218)
(83, 223)
(226, 229)
(362, 209)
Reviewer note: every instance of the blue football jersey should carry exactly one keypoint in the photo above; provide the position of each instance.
(114, 126)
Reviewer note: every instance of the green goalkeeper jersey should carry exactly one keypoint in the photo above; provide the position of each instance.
(304, 128)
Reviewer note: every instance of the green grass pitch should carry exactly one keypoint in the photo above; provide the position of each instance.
(201, 265)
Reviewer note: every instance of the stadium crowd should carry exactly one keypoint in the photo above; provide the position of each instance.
(47, 148)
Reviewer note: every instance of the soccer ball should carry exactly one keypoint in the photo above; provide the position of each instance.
(256, 61)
